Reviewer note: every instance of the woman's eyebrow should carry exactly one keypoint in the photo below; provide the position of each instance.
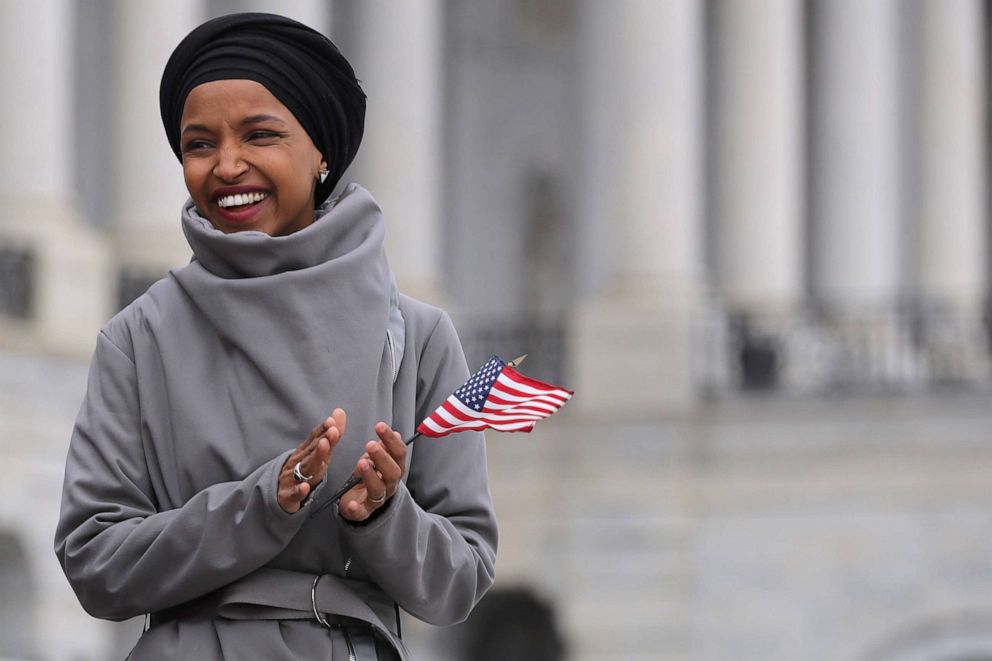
(247, 121)
(189, 128)
(258, 119)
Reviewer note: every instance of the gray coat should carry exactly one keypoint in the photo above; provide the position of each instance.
(198, 392)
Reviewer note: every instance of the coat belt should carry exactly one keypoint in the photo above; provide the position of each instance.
(279, 594)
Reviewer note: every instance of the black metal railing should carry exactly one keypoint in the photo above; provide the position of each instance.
(911, 347)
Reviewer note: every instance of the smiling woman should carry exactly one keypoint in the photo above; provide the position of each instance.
(187, 483)
(247, 161)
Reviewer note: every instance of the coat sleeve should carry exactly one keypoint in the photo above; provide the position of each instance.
(121, 555)
(433, 549)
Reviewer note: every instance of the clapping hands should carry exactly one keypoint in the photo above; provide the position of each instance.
(306, 466)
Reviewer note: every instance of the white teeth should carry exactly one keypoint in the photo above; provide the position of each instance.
(240, 199)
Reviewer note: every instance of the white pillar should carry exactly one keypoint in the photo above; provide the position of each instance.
(398, 61)
(632, 343)
(758, 154)
(35, 72)
(37, 206)
(855, 156)
(314, 13)
(859, 162)
(148, 179)
(952, 244)
(951, 248)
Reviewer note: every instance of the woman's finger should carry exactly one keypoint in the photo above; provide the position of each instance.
(354, 508)
(375, 487)
(305, 459)
(291, 496)
(315, 463)
(315, 433)
(392, 440)
(384, 462)
(321, 458)
(392, 443)
(354, 504)
(312, 456)
(369, 471)
(340, 419)
(330, 431)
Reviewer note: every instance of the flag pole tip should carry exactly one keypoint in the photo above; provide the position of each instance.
(516, 361)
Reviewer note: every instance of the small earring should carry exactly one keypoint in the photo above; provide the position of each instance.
(323, 175)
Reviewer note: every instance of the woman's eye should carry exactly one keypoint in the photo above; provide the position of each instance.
(195, 145)
(262, 135)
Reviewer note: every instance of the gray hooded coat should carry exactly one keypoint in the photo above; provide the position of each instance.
(198, 392)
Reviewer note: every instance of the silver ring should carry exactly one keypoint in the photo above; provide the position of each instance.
(298, 474)
(380, 500)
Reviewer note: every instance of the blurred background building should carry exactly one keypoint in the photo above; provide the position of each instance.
(751, 234)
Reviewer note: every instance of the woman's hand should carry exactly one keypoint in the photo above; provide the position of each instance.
(313, 456)
(381, 469)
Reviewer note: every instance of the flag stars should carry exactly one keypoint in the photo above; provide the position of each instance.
(473, 393)
(522, 414)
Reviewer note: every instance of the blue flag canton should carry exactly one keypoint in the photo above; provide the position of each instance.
(474, 392)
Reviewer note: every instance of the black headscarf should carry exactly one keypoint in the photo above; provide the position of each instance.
(297, 64)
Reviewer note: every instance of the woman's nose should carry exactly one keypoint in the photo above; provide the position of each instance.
(230, 165)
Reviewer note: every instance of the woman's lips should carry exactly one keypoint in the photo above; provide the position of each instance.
(240, 215)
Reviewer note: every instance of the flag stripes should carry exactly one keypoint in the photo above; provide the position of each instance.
(495, 397)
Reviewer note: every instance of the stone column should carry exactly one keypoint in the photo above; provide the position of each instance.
(631, 348)
(952, 247)
(397, 58)
(148, 179)
(756, 128)
(855, 176)
(858, 165)
(63, 263)
(757, 131)
(315, 13)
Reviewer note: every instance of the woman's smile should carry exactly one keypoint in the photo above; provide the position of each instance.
(228, 200)
(247, 161)
(239, 205)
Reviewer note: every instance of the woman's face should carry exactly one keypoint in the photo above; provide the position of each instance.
(247, 161)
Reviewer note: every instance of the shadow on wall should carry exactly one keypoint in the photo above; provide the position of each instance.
(16, 602)
(509, 623)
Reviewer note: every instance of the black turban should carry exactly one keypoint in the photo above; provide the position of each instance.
(297, 64)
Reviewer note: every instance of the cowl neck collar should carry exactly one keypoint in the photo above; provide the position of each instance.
(298, 323)
(342, 226)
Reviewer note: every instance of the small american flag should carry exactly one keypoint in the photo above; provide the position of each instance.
(496, 397)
